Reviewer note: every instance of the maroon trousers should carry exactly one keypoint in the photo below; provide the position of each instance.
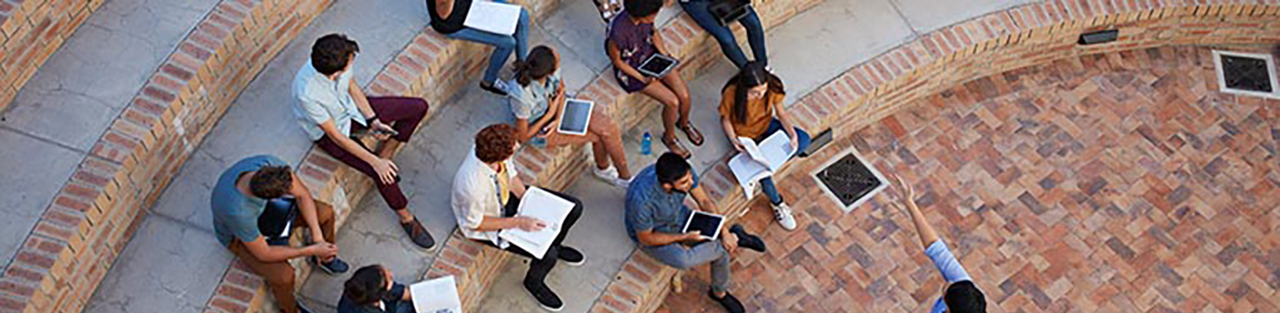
(403, 114)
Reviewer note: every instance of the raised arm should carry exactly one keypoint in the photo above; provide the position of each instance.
(927, 234)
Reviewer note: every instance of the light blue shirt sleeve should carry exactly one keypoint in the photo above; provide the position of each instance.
(948, 266)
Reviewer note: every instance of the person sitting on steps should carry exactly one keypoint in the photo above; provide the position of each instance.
(240, 198)
(700, 12)
(751, 106)
(632, 38)
(486, 195)
(371, 290)
(655, 214)
(332, 110)
(447, 17)
(537, 100)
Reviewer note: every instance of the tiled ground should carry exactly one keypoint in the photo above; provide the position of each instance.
(1113, 183)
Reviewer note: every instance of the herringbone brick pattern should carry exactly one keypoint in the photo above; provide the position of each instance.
(1108, 183)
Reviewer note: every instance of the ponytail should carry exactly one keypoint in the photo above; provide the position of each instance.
(540, 63)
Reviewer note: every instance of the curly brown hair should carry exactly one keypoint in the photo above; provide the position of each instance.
(272, 181)
(495, 143)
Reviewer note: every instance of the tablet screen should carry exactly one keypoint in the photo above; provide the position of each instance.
(704, 223)
(657, 64)
(576, 114)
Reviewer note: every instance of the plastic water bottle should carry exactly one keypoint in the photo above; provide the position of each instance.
(646, 144)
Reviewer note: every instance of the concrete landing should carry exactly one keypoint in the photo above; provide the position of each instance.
(71, 100)
(168, 265)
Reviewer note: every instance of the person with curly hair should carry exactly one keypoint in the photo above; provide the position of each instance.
(486, 194)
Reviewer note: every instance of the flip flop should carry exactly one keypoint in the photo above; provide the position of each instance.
(694, 135)
(675, 147)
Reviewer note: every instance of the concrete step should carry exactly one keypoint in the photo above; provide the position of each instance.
(173, 263)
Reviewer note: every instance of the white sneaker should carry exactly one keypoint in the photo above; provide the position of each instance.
(782, 213)
(608, 175)
(624, 183)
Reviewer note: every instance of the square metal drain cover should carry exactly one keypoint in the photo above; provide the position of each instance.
(1246, 73)
(850, 180)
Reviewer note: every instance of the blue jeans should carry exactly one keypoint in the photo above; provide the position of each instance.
(697, 10)
(683, 257)
(766, 184)
(502, 44)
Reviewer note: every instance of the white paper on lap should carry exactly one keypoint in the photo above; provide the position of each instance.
(493, 17)
(546, 207)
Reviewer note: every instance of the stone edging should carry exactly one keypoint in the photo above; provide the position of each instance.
(997, 42)
(93, 216)
(30, 31)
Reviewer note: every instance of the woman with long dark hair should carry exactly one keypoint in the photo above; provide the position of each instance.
(537, 99)
(752, 107)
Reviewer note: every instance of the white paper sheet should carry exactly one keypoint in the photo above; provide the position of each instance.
(438, 295)
(493, 17)
(544, 206)
(760, 160)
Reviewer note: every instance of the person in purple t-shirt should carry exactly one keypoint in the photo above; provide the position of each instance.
(631, 40)
(961, 295)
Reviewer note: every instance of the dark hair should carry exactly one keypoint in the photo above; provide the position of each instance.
(964, 297)
(642, 8)
(752, 74)
(332, 52)
(366, 286)
(271, 181)
(540, 63)
(671, 167)
(495, 143)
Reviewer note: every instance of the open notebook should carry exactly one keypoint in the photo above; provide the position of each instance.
(760, 160)
(438, 295)
(544, 206)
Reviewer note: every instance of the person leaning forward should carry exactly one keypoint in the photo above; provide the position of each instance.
(655, 215)
(486, 196)
(239, 200)
(333, 110)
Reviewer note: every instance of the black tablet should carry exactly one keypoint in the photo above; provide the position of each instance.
(705, 223)
(657, 65)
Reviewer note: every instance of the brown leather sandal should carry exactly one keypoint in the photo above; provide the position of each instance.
(674, 146)
(694, 135)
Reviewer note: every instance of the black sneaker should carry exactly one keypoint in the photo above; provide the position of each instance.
(418, 234)
(334, 267)
(547, 299)
(571, 256)
(729, 302)
(746, 240)
(495, 87)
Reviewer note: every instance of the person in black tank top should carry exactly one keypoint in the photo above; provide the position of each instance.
(504, 44)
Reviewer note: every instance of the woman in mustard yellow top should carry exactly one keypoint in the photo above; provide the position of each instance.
(752, 107)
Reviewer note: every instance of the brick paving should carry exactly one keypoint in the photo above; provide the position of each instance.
(1109, 183)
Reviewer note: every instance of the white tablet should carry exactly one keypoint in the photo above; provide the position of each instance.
(705, 223)
(576, 117)
(657, 65)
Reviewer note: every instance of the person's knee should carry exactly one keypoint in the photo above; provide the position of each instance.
(681, 263)
(282, 279)
(419, 106)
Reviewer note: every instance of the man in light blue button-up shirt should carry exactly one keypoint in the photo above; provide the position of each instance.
(961, 295)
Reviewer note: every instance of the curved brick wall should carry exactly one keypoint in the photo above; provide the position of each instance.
(994, 43)
(30, 32)
(92, 217)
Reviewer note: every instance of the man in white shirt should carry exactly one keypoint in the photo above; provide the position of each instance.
(330, 107)
(486, 194)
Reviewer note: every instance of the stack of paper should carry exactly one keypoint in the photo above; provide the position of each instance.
(493, 17)
(438, 295)
(546, 207)
(760, 160)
